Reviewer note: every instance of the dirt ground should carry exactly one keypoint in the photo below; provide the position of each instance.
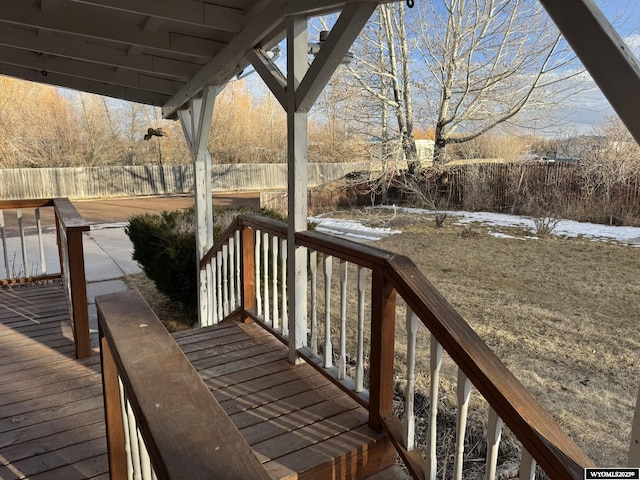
(562, 314)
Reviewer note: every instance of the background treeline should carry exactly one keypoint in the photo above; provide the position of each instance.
(42, 126)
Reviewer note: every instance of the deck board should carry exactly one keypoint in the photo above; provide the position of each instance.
(299, 424)
(51, 407)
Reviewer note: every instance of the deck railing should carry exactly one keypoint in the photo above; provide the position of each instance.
(67, 264)
(356, 338)
(147, 382)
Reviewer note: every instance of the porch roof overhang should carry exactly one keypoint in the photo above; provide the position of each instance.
(165, 52)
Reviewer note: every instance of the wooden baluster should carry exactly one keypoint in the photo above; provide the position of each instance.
(283, 293)
(463, 393)
(275, 242)
(215, 297)
(25, 264)
(328, 348)
(265, 278)
(248, 282)
(145, 460)
(238, 274)
(383, 316)
(494, 432)
(342, 362)
(409, 394)
(225, 279)
(527, 466)
(257, 256)
(313, 271)
(43, 262)
(362, 286)
(135, 446)
(218, 258)
(5, 249)
(127, 437)
(436, 362)
(232, 274)
(209, 317)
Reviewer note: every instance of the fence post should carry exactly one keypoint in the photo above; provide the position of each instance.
(383, 312)
(248, 271)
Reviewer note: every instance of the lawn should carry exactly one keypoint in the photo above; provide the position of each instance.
(562, 314)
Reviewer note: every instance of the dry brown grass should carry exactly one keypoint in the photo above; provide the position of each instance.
(562, 314)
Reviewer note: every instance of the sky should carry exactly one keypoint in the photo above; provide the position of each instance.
(591, 106)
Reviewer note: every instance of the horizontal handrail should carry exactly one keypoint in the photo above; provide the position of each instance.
(69, 226)
(185, 432)
(542, 438)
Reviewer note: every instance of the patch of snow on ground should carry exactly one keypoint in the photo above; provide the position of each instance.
(564, 228)
(351, 229)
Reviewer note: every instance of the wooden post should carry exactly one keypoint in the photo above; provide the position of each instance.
(78, 293)
(248, 271)
(113, 413)
(383, 313)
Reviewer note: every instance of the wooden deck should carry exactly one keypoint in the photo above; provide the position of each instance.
(51, 407)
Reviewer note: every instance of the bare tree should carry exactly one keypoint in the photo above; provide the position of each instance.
(383, 51)
(489, 61)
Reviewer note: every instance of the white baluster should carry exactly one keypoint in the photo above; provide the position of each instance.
(362, 286)
(328, 349)
(436, 362)
(409, 394)
(225, 279)
(527, 466)
(464, 393)
(283, 287)
(219, 284)
(43, 263)
(215, 297)
(265, 279)
(232, 276)
(313, 270)
(145, 461)
(125, 422)
(135, 447)
(342, 362)
(633, 460)
(275, 241)
(238, 274)
(5, 249)
(210, 275)
(258, 251)
(25, 264)
(494, 432)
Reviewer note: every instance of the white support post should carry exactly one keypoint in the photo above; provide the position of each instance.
(196, 122)
(297, 123)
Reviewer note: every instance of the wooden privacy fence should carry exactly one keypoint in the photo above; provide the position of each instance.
(68, 263)
(127, 181)
(360, 346)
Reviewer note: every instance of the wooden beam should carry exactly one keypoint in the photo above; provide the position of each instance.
(270, 74)
(192, 12)
(80, 49)
(605, 55)
(333, 51)
(297, 173)
(78, 20)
